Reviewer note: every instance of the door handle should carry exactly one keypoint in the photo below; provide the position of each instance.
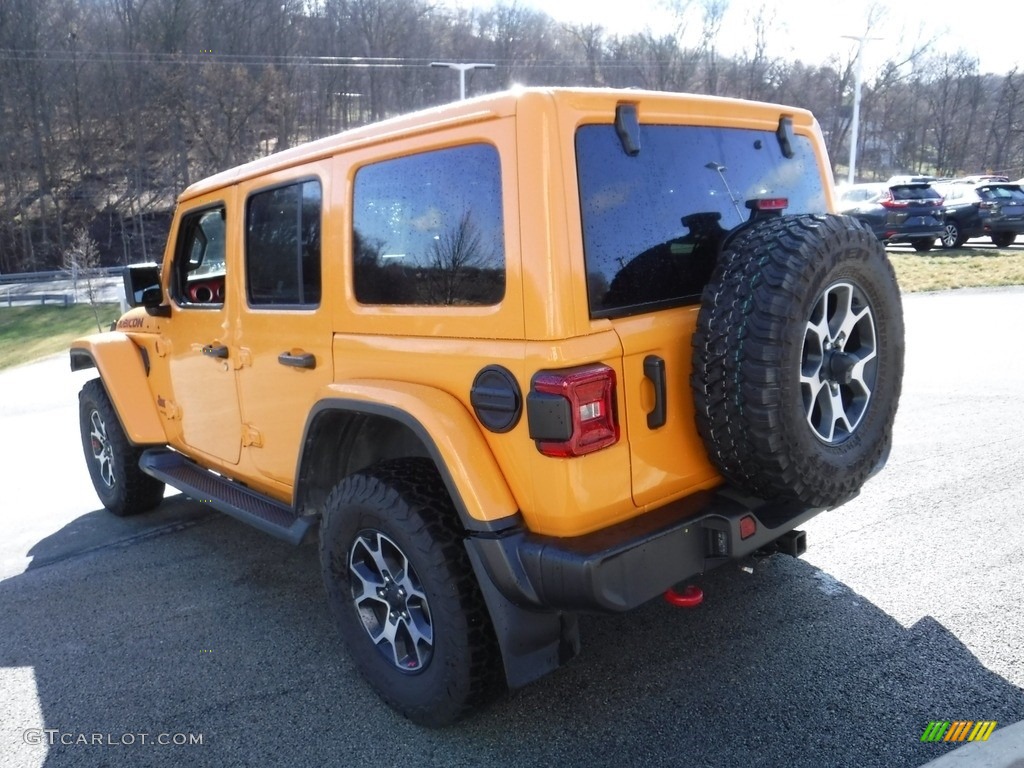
(297, 359)
(215, 350)
(654, 370)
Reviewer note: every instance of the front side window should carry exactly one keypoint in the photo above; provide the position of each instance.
(282, 245)
(653, 222)
(199, 261)
(428, 229)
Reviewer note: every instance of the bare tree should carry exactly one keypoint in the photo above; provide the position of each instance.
(455, 257)
(81, 264)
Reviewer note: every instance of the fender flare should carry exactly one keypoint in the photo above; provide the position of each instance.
(447, 431)
(123, 369)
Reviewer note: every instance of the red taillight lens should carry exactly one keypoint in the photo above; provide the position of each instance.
(572, 412)
(770, 203)
(748, 526)
(889, 202)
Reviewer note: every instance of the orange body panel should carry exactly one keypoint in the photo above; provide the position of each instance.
(244, 414)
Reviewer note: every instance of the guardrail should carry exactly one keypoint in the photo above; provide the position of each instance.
(64, 299)
(57, 274)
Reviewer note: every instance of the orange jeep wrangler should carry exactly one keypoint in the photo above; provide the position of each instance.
(519, 357)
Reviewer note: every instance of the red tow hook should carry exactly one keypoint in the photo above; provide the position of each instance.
(690, 597)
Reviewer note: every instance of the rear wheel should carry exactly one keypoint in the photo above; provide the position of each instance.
(952, 237)
(113, 461)
(404, 595)
(1004, 239)
(798, 359)
(923, 244)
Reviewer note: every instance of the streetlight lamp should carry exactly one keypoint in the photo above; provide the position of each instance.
(858, 77)
(462, 69)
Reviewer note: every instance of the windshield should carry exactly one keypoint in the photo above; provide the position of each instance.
(653, 222)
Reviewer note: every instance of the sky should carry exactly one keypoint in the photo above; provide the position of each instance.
(812, 30)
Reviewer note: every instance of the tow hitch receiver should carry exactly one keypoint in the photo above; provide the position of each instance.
(689, 596)
(792, 543)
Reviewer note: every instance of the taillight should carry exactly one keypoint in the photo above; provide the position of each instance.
(571, 412)
(890, 202)
(769, 203)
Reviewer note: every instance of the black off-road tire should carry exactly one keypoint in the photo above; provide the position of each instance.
(401, 509)
(1004, 239)
(766, 359)
(113, 461)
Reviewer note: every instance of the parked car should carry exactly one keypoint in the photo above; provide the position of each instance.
(897, 212)
(911, 180)
(980, 177)
(991, 208)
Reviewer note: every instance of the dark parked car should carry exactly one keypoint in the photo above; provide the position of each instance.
(896, 212)
(991, 208)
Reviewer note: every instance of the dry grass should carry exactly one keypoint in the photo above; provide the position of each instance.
(28, 333)
(939, 270)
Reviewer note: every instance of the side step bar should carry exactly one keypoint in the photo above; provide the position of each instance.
(227, 496)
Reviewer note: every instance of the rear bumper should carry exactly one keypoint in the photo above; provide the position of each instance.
(621, 567)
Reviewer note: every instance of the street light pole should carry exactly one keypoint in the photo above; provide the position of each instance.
(462, 69)
(858, 79)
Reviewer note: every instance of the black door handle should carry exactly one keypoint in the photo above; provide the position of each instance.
(215, 350)
(654, 369)
(297, 359)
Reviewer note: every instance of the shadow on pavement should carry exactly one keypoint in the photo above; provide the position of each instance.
(192, 623)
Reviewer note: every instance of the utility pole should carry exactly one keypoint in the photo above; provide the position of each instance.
(858, 79)
(462, 69)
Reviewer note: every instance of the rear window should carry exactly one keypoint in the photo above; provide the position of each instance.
(1004, 192)
(653, 222)
(915, 192)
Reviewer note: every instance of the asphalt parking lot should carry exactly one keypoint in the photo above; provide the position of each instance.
(186, 627)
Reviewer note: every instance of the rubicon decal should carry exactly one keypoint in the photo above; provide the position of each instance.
(958, 730)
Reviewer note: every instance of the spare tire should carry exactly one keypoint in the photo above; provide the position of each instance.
(798, 359)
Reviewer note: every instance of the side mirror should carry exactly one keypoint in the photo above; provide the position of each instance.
(142, 285)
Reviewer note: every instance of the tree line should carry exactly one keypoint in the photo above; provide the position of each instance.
(109, 108)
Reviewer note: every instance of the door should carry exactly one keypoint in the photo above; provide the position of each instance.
(285, 325)
(201, 353)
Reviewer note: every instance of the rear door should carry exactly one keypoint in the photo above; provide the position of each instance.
(653, 224)
(284, 340)
(914, 209)
(1004, 206)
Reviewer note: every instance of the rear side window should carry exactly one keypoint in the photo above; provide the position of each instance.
(427, 229)
(282, 245)
(653, 222)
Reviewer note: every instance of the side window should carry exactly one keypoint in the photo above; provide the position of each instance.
(199, 262)
(428, 230)
(282, 245)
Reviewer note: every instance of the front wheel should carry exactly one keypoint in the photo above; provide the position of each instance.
(404, 595)
(952, 237)
(113, 461)
(798, 359)
(1004, 239)
(923, 244)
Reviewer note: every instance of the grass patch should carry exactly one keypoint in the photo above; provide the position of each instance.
(28, 333)
(940, 270)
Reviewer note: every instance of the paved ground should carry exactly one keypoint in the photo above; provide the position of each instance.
(185, 624)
